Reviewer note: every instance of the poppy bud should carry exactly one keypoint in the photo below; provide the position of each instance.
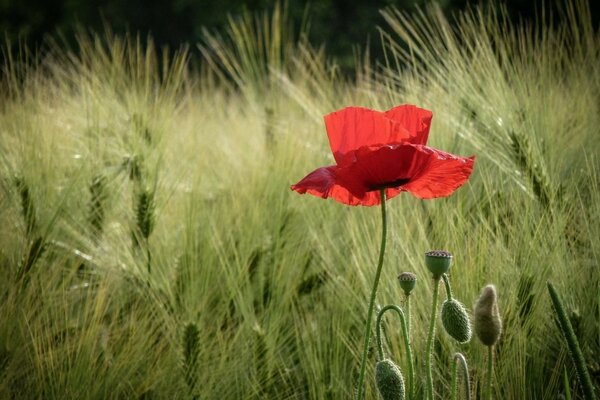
(438, 262)
(390, 381)
(487, 323)
(456, 321)
(408, 280)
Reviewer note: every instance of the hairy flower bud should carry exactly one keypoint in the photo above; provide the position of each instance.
(390, 381)
(438, 262)
(456, 321)
(408, 280)
(487, 322)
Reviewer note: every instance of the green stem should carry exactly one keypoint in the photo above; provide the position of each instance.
(573, 345)
(429, 355)
(408, 316)
(566, 385)
(412, 386)
(454, 387)
(460, 359)
(448, 288)
(363, 362)
(490, 370)
(403, 320)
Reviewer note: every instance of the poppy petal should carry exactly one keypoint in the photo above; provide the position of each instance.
(353, 127)
(371, 168)
(441, 175)
(415, 120)
(423, 171)
(324, 182)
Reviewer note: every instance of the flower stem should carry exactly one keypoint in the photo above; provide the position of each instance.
(411, 386)
(460, 359)
(490, 369)
(429, 355)
(408, 315)
(454, 387)
(363, 362)
(447, 285)
(403, 320)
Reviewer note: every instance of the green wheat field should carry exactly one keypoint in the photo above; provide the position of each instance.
(151, 248)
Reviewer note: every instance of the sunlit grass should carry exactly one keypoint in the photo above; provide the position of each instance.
(276, 283)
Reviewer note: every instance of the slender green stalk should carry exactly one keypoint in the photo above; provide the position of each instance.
(429, 356)
(454, 386)
(408, 316)
(403, 320)
(572, 344)
(411, 384)
(448, 288)
(490, 371)
(460, 359)
(363, 362)
(566, 385)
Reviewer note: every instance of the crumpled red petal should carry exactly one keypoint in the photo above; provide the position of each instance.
(353, 127)
(322, 183)
(415, 120)
(384, 150)
(423, 171)
(442, 175)
(371, 168)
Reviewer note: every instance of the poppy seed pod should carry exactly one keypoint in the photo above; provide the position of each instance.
(438, 262)
(407, 280)
(390, 381)
(456, 321)
(486, 321)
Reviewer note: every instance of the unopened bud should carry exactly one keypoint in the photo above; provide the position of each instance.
(390, 381)
(456, 321)
(487, 322)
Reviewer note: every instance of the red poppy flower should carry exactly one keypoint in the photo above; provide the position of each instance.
(384, 150)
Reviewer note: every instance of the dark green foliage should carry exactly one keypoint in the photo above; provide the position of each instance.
(260, 356)
(312, 283)
(191, 351)
(35, 250)
(531, 165)
(573, 344)
(144, 212)
(269, 128)
(337, 24)
(253, 262)
(35, 244)
(133, 168)
(97, 203)
(27, 206)
(147, 395)
(141, 128)
(525, 296)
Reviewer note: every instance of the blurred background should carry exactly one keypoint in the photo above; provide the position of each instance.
(342, 26)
